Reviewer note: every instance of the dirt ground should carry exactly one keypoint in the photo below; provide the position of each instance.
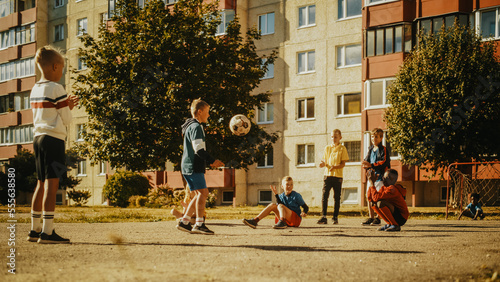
(155, 251)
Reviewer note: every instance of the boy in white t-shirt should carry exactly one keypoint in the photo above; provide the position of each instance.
(51, 115)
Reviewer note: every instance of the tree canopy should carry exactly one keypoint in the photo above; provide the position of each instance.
(445, 102)
(146, 69)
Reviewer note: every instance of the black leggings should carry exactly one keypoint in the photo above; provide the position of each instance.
(329, 183)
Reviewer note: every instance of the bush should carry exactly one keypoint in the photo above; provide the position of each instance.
(80, 197)
(124, 184)
(211, 199)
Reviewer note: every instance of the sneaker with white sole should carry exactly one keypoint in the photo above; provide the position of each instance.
(203, 229)
(384, 228)
(184, 227)
(376, 221)
(33, 236)
(52, 239)
(250, 222)
(393, 228)
(280, 225)
(322, 220)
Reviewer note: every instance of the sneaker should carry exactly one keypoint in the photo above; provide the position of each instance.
(33, 236)
(393, 228)
(384, 228)
(184, 227)
(322, 220)
(201, 230)
(376, 221)
(250, 222)
(367, 221)
(335, 221)
(280, 225)
(52, 239)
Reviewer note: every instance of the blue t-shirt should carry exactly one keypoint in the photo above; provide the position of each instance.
(474, 208)
(292, 201)
(373, 159)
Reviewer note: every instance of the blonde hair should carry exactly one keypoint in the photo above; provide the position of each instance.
(378, 131)
(196, 105)
(286, 178)
(47, 55)
(337, 131)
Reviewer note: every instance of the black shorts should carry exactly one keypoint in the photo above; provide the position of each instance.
(398, 217)
(50, 157)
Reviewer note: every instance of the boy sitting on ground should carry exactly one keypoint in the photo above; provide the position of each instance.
(286, 210)
(473, 209)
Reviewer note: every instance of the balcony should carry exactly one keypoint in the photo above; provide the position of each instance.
(390, 13)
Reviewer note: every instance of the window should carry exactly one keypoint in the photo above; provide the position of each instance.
(307, 16)
(81, 27)
(265, 197)
(266, 24)
(388, 40)
(349, 104)
(7, 38)
(6, 7)
(434, 25)
(80, 130)
(267, 161)
(22, 101)
(349, 8)
(5, 103)
(140, 3)
(58, 3)
(305, 155)
(266, 114)
(227, 197)
(349, 56)
(16, 135)
(350, 196)
(353, 150)
(82, 168)
(270, 70)
(111, 7)
(305, 108)
(376, 92)
(81, 64)
(370, 2)
(489, 23)
(102, 168)
(306, 62)
(59, 32)
(17, 69)
(25, 34)
(226, 17)
(103, 18)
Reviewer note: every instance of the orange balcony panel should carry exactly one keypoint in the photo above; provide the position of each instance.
(9, 119)
(485, 4)
(9, 21)
(390, 13)
(9, 86)
(27, 50)
(384, 66)
(9, 54)
(374, 118)
(8, 152)
(430, 8)
(28, 16)
(228, 4)
(26, 117)
(27, 83)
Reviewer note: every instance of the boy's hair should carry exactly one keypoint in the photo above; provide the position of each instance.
(475, 195)
(337, 131)
(196, 105)
(393, 175)
(378, 131)
(286, 178)
(47, 55)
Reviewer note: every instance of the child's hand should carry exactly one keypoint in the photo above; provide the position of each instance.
(73, 101)
(322, 164)
(303, 214)
(273, 188)
(371, 175)
(366, 164)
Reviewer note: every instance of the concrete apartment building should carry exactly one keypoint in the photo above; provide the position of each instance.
(390, 29)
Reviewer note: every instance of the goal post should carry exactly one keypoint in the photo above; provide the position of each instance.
(466, 178)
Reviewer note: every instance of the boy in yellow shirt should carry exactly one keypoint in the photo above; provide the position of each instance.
(333, 161)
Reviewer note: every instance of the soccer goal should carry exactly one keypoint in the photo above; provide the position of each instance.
(473, 177)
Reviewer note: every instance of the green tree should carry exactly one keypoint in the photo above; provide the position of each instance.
(445, 102)
(144, 72)
(124, 184)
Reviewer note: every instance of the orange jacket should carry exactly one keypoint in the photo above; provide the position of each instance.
(393, 194)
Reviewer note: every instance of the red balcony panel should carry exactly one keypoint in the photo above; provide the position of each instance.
(9, 54)
(26, 117)
(9, 21)
(27, 83)
(384, 66)
(228, 4)
(390, 13)
(430, 8)
(8, 152)
(27, 147)
(9, 119)
(27, 50)
(9, 86)
(485, 4)
(28, 16)
(375, 119)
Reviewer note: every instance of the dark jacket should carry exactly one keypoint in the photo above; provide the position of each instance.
(383, 162)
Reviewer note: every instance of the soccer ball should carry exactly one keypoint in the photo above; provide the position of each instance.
(240, 125)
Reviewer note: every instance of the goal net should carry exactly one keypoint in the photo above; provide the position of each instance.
(474, 177)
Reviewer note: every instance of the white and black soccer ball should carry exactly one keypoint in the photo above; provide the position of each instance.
(240, 125)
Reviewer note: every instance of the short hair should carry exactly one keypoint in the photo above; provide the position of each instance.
(378, 131)
(196, 105)
(286, 178)
(393, 176)
(337, 131)
(47, 55)
(475, 195)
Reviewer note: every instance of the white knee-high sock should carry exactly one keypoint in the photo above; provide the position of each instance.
(36, 221)
(48, 222)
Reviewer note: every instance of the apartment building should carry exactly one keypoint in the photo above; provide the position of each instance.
(389, 32)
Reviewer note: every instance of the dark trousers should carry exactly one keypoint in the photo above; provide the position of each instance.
(329, 183)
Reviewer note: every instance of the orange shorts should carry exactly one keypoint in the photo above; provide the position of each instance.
(294, 221)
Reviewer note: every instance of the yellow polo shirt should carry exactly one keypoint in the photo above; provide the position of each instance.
(333, 156)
